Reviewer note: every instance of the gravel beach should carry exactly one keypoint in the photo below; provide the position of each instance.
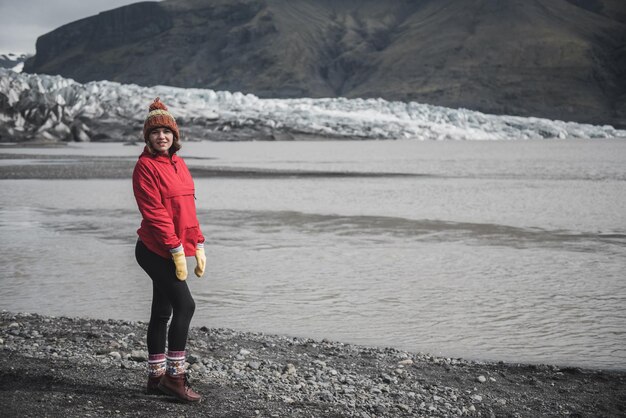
(79, 367)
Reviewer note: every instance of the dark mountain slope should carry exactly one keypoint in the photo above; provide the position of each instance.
(562, 59)
(531, 57)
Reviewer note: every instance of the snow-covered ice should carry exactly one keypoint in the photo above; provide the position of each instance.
(40, 104)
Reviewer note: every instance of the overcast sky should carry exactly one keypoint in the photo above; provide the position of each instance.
(23, 21)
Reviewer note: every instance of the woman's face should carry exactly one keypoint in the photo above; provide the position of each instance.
(161, 139)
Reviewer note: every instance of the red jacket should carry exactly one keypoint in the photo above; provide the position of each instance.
(165, 194)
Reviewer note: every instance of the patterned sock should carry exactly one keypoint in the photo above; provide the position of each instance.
(175, 363)
(156, 365)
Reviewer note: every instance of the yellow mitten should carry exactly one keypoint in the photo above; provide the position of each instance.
(178, 255)
(200, 260)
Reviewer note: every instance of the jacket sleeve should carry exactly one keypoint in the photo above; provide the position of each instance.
(200, 236)
(148, 197)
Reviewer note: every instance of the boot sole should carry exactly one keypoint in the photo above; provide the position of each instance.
(166, 391)
(154, 391)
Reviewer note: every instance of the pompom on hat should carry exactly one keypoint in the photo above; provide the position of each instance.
(159, 117)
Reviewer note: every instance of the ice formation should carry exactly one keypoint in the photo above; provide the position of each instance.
(56, 108)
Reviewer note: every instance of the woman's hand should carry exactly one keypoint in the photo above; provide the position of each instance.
(200, 260)
(178, 255)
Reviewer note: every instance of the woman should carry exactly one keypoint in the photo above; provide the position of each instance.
(169, 231)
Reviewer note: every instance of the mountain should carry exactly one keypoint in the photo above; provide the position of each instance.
(13, 61)
(560, 59)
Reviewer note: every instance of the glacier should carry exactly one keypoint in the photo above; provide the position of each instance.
(53, 108)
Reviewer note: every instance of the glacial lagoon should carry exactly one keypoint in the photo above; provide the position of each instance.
(486, 250)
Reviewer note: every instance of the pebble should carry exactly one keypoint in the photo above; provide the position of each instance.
(197, 367)
(477, 398)
(404, 407)
(290, 369)
(326, 396)
(115, 355)
(319, 363)
(481, 379)
(386, 378)
(138, 355)
(254, 365)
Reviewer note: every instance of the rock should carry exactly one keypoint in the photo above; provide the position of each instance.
(326, 396)
(115, 355)
(319, 363)
(290, 369)
(138, 355)
(13, 325)
(198, 367)
(254, 365)
(406, 362)
(477, 398)
(404, 407)
(481, 379)
(244, 352)
(386, 378)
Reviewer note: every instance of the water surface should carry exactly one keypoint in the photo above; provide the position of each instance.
(509, 251)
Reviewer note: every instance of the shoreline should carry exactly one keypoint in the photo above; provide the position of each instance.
(79, 167)
(90, 367)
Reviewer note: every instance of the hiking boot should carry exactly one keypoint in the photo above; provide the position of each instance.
(153, 385)
(178, 386)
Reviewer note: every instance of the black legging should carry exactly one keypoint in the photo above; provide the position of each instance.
(168, 293)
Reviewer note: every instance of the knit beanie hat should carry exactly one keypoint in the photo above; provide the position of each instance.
(159, 117)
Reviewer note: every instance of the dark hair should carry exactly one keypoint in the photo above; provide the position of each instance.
(173, 149)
